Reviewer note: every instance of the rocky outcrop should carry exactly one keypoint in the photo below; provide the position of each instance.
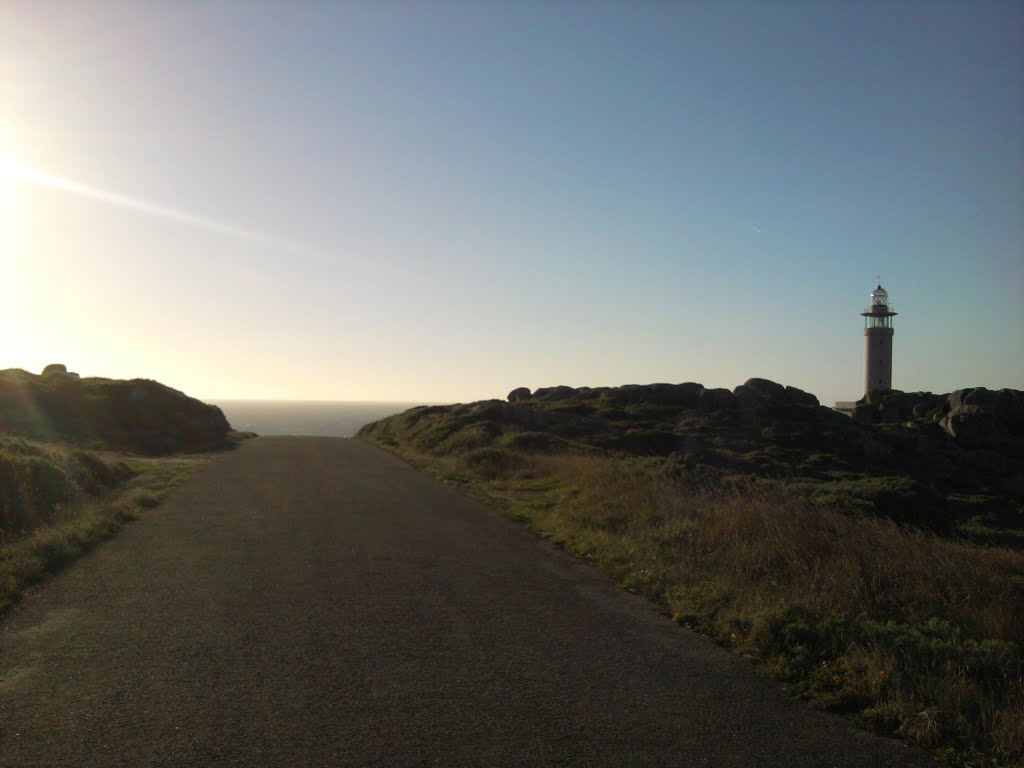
(519, 394)
(799, 397)
(760, 390)
(570, 419)
(139, 415)
(977, 426)
(917, 457)
(550, 394)
(754, 393)
(717, 399)
(975, 417)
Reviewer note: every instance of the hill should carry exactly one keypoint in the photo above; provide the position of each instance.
(58, 499)
(137, 415)
(873, 563)
(953, 463)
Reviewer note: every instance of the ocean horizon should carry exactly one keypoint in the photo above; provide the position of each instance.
(310, 418)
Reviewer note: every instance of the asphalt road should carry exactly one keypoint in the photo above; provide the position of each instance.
(316, 602)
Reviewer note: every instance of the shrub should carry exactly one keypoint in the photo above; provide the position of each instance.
(39, 482)
(493, 462)
(470, 438)
(32, 490)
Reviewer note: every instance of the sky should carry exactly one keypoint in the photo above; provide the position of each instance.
(443, 201)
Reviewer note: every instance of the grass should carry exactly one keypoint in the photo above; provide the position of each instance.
(59, 502)
(138, 416)
(909, 633)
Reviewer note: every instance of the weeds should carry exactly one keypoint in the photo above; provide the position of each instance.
(909, 633)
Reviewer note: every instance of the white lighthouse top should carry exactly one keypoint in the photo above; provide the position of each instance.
(879, 303)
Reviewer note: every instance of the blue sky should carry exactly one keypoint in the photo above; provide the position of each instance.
(444, 201)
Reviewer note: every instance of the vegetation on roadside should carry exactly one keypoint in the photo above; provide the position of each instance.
(137, 416)
(59, 497)
(57, 502)
(831, 578)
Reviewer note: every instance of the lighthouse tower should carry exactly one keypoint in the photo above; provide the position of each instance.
(878, 341)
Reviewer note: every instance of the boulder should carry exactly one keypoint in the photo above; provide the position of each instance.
(1006, 405)
(689, 393)
(961, 397)
(686, 395)
(519, 394)
(928, 405)
(55, 368)
(717, 399)
(550, 394)
(898, 406)
(799, 397)
(748, 399)
(766, 388)
(1009, 407)
(627, 394)
(762, 395)
(975, 426)
(980, 396)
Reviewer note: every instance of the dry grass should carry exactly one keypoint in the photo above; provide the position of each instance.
(915, 634)
(909, 633)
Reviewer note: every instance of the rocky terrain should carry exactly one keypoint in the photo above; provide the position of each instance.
(137, 415)
(951, 462)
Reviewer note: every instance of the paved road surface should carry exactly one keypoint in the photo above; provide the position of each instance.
(315, 602)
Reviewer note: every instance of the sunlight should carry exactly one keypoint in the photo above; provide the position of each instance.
(22, 346)
(125, 202)
(12, 172)
(7, 183)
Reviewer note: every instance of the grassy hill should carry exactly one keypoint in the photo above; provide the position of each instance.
(70, 468)
(138, 415)
(873, 564)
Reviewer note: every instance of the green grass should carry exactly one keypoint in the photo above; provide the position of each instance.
(60, 502)
(909, 633)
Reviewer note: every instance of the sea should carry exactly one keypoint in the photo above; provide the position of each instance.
(305, 418)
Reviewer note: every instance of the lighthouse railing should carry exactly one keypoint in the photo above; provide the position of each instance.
(879, 309)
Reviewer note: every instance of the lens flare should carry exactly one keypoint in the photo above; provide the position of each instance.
(36, 176)
(7, 182)
(17, 171)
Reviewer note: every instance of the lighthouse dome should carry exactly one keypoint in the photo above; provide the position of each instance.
(879, 297)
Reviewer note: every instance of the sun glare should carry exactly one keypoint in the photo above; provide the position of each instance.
(6, 194)
(10, 171)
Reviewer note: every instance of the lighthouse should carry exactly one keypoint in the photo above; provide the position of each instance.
(878, 341)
